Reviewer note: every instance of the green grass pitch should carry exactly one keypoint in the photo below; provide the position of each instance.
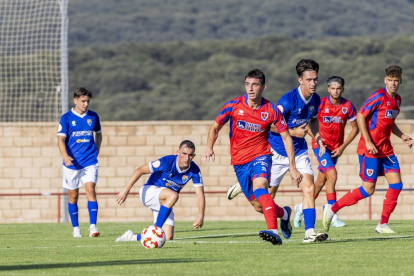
(219, 248)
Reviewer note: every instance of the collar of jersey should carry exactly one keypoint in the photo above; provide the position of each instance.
(245, 101)
(303, 98)
(329, 99)
(178, 168)
(77, 114)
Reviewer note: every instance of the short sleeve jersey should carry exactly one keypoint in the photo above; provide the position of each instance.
(297, 111)
(249, 128)
(380, 111)
(79, 132)
(165, 172)
(332, 120)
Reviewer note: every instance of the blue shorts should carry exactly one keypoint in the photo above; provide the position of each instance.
(326, 162)
(246, 173)
(371, 168)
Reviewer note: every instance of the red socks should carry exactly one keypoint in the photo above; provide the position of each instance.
(390, 201)
(270, 210)
(350, 198)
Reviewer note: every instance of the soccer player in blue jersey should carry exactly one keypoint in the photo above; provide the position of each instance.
(169, 175)
(80, 152)
(300, 109)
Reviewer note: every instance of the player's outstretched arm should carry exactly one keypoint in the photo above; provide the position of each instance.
(365, 134)
(211, 140)
(397, 132)
(294, 173)
(62, 147)
(122, 196)
(98, 141)
(354, 132)
(314, 127)
(201, 202)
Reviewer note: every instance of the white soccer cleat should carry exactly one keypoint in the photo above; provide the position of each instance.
(234, 191)
(336, 222)
(127, 236)
(316, 237)
(384, 229)
(77, 233)
(327, 216)
(297, 221)
(93, 232)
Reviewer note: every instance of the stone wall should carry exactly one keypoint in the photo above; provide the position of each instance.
(30, 163)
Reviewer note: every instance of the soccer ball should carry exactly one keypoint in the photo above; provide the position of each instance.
(153, 237)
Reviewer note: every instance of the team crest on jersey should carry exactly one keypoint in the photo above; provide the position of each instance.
(323, 162)
(344, 110)
(89, 121)
(311, 108)
(264, 115)
(185, 178)
(370, 172)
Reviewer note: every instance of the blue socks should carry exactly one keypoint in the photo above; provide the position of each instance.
(93, 211)
(73, 214)
(309, 217)
(162, 216)
(139, 237)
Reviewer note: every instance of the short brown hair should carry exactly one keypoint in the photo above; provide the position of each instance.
(82, 91)
(394, 71)
(256, 74)
(306, 65)
(188, 144)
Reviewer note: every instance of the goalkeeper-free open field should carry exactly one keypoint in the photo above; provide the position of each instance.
(219, 248)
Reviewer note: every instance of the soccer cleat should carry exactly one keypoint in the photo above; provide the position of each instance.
(384, 229)
(297, 221)
(316, 237)
(127, 236)
(327, 216)
(269, 236)
(336, 222)
(77, 233)
(93, 232)
(285, 225)
(234, 191)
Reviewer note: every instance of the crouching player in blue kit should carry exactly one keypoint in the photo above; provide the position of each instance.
(169, 175)
(80, 152)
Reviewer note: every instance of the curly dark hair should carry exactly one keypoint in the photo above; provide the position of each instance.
(394, 71)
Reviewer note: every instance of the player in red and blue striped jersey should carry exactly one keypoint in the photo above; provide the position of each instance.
(376, 120)
(251, 118)
(333, 114)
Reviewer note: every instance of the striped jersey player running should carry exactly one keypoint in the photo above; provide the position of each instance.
(376, 120)
(251, 117)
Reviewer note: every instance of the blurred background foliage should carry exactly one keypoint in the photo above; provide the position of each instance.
(182, 60)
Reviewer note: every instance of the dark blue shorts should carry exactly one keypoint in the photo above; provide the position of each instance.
(246, 173)
(371, 168)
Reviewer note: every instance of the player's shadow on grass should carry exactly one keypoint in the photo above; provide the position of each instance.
(371, 239)
(92, 264)
(219, 236)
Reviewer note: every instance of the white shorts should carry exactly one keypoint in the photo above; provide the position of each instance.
(280, 166)
(74, 179)
(150, 197)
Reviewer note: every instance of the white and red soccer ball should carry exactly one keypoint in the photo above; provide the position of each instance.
(153, 237)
